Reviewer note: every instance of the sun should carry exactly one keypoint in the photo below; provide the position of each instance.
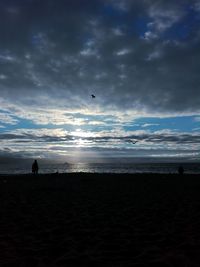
(79, 137)
(80, 142)
(81, 133)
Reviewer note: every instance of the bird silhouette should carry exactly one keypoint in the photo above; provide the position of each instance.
(134, 142)
(93, 96)
(131, 141)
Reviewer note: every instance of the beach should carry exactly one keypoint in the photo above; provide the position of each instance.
(81, 219)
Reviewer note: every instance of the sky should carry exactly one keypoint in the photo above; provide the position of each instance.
(140, 58)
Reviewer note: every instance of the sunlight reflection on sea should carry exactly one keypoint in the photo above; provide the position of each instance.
(105, 168)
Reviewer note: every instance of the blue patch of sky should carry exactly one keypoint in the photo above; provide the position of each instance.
(111, 11)
(114, 16)
(28, 124)
(140, 25)
(184, 28)
(36, 39)
(179, 124)
(21, 124)
(135, 25)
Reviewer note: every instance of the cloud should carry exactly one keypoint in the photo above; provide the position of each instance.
(56, 66)
(164, 15)
(154, 55)
(137, 57)
(123, 52)
(3, 77)
(58, 143)
(149, 124)
(7, 119)
(197, 6)
(7, 57)
(61, 135)
(197, 119)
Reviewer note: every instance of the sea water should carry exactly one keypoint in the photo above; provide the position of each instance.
(103, 168)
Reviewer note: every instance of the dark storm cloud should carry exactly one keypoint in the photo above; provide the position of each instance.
(156, 138)
(153, 138)
(132, 54)
(20, 138)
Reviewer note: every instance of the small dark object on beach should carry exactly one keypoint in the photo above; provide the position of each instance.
(180, 170)
(35, 167)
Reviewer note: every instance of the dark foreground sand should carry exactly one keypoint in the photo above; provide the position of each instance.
(100, 220)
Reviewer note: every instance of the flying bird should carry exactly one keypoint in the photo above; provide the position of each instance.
(134, 142)
(93, 96)
(131, 141)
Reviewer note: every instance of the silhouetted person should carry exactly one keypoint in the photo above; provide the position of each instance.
(35, 167)
(180, 170)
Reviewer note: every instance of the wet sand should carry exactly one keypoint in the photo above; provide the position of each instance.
(100, 220)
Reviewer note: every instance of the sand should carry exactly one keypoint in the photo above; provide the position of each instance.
(100, 220)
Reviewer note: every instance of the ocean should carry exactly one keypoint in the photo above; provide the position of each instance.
(103, 168)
